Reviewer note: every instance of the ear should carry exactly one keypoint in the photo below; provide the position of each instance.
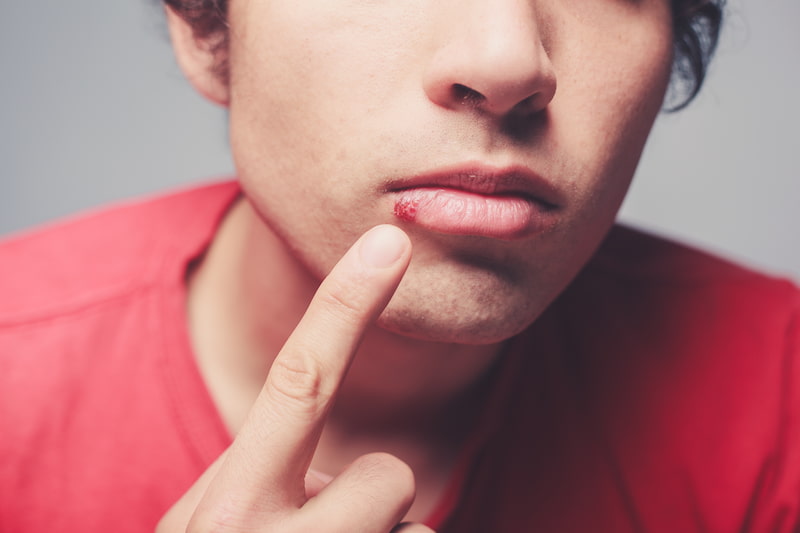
(196, 59)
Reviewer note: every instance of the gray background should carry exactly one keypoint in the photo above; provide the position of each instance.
(93, 109)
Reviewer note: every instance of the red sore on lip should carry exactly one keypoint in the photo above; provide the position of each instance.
(406, 209)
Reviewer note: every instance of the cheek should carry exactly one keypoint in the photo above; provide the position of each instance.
(303, 90)
(610, 98)
(605, 106)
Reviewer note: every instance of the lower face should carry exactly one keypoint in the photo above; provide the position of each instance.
(332, 107)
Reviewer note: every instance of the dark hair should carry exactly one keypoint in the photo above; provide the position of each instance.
(696, 25)
(208, 18)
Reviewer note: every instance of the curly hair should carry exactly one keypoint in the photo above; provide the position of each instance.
(695, 23)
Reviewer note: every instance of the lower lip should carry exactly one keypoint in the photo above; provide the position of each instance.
(455, 211)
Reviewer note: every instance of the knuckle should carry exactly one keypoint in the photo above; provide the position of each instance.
(227, 516)
(296, 383)
(341, 300)
(216, 519)
(209, 523)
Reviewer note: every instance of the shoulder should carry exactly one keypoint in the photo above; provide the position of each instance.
(660, 302)
(104, 253)
(674, 366)
(663, 275)
(92, 333)
(637, 254)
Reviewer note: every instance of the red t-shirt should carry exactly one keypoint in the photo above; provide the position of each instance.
(660, 392)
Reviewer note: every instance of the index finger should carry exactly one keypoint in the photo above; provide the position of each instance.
(267, 462)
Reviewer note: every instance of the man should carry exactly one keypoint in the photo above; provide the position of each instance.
(425, 200)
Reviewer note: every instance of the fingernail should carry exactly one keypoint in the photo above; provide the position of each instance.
(321, 476)
(383, 245)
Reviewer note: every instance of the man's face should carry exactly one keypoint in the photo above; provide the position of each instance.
(500, 134)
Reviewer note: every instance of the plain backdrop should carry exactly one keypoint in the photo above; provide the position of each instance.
(93, 109)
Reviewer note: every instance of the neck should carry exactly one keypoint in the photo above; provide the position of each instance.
(246, 297)
(409, 397)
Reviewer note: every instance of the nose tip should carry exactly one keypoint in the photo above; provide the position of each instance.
(510, 99)
(496, 90)
(497, 64)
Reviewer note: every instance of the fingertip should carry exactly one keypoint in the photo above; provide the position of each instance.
(377, 489)
(383, 246)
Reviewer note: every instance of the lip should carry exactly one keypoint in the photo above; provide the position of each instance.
(503, 203)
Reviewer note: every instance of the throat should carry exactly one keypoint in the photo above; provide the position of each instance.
(432, 442)
(407, 383)
(433, 464)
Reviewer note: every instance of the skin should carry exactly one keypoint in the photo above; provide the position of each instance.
(595, 95)
(261, 480)
(329, 102)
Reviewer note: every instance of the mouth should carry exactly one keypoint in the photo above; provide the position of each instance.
(508, 204)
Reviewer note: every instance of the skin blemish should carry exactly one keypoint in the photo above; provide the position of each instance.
(406, 209)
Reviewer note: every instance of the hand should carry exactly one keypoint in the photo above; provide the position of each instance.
(262, 481)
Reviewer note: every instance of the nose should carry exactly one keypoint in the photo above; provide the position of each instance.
(492, 57)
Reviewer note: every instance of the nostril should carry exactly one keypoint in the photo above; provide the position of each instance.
(527, 106)
(466, 96)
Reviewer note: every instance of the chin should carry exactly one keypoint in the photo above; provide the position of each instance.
(460, 317)
(444, 329)
(476, 299)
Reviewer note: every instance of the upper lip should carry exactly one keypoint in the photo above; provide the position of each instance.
(488, 180)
